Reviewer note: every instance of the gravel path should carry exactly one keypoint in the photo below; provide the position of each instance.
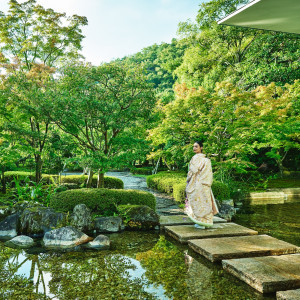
(165, 205)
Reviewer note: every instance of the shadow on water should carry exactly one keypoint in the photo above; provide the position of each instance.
(139, 266)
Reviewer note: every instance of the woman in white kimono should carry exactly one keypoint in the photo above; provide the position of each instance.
(200, 201)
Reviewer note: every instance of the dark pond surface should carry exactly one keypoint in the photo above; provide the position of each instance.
(280, 220)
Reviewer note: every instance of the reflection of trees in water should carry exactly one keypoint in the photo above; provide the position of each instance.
(14, 285)
(164, 265)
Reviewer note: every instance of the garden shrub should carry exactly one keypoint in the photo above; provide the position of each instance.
(100, 200)
(21, 175)
(220, 190)
(174, 183)
(142, 171)
(80, 180)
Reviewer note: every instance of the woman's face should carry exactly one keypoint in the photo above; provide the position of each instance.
(196, 148)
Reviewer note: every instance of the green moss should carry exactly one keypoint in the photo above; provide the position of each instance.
(100, 200)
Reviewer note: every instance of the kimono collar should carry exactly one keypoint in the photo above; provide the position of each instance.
(201, 154)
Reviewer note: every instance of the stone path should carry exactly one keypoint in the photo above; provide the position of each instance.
(184, 233)
(288, 295)
(218, 249)
(276, 271)
(267, 274)
(182, 220)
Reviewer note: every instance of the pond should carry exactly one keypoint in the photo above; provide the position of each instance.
(139, 266)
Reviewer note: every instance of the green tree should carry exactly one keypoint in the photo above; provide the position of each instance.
(39, 38)
(99, 107)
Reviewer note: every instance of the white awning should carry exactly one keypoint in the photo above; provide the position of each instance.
(277, 15)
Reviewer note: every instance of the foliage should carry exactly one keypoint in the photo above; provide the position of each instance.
(142, 171)
(32, 191)
(80, 180)
(103, 201)
(36, 38)
(22, 176)
(245, 57)
(233, 124)
(174, 183)
(98, 106)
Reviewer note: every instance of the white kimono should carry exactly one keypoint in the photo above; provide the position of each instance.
(200, 203)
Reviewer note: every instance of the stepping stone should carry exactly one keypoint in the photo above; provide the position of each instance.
(241, 246)
(183, 233)
(182, 220)
(267, 274)
(288, 295)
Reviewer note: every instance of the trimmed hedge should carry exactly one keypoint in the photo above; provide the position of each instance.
(142, 171)
(100, 200)
(174, 183)
(21, 175)
(109, 182)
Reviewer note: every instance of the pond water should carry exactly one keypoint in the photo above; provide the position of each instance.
(139, 266)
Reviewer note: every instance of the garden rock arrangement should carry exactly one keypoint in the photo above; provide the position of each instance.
(21, 241)
(59, 231)
(82, 218)
(226, 210)
(108, 224)
(65, 237)
(139, 217)
(37, 221)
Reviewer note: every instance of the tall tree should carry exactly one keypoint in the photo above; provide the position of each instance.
(98, 106)
(39, 38)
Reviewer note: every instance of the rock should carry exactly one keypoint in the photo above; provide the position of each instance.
(108, 224)
(226, 211)
(65, 237)
(19, 207)
(228, 202)
(81, 218)
(8, 227)
(138, 217)
(36, 221)
(99, 243)
(288, 295)
(4, 212)
(21, 241)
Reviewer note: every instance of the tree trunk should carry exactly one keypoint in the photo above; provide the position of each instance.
(38, 167)
(90, 179)
(3, 181)
(100, 180)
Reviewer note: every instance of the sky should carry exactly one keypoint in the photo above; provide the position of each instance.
(118, 28)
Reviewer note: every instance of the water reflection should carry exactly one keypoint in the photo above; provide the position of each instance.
(140, 266)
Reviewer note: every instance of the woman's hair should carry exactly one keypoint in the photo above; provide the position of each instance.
(199, 143)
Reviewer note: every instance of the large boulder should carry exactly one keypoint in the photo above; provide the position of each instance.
(36, 221)
(81, 218)
(65, 237)
(4, 212)
(101, 242)
(138, 217)
(108, 224)
(226, 211)
(21, 241)
(19, 207)
(9, 226)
